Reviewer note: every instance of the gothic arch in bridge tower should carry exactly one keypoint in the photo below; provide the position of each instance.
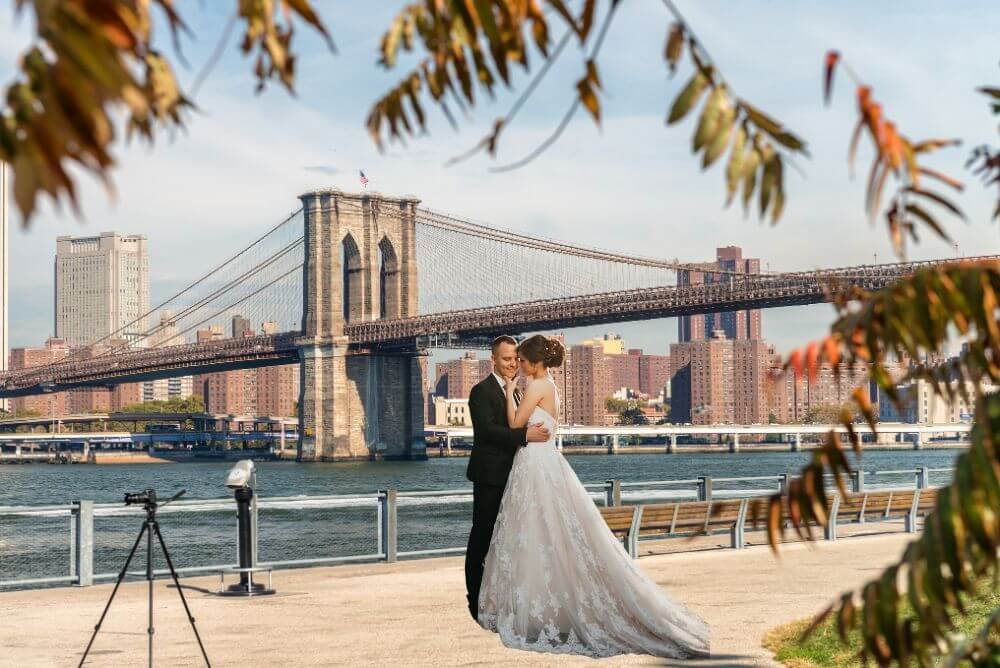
(353, 279)
(389, 280)
(358, 401)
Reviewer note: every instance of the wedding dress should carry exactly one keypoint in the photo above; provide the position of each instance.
(557, 580)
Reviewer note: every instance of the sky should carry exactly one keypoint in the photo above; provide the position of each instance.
(630, 185)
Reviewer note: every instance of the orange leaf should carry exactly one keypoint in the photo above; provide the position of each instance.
(832, 58)
(812, 360)
(795, 361)
(832, 351)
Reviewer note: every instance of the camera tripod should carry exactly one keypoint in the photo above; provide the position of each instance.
(149, 527)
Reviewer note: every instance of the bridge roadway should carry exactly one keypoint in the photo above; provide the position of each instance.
(472, 325)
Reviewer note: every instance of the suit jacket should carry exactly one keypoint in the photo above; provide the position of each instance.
(494, 443)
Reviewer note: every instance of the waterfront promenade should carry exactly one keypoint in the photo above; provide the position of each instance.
(413, 613)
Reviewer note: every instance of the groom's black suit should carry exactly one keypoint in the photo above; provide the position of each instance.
(493, 448)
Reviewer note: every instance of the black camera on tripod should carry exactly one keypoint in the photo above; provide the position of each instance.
(145, 498)
(150, 529)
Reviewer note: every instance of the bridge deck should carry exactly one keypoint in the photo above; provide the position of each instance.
(745, 291)
(413, 613)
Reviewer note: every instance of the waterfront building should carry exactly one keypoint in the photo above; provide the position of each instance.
(736, 325)
(456, 378)
(267, 391)
(101, 287)
(277, 390)
(719, 381)
(451, 412)
(919, 404)
(53, 404)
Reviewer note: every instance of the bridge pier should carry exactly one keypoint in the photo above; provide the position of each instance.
(359, 266)
(797, 443)
(671, 444)
(360, 406)
(918, 441)
(734, 445)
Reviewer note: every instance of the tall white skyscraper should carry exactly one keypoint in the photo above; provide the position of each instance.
(102, 287)
(4, 253)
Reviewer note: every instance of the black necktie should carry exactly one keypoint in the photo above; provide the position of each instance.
(517, 398)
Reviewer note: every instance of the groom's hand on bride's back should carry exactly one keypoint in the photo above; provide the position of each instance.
(537, 433)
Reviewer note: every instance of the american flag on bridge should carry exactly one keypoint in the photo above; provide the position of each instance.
(364, 179)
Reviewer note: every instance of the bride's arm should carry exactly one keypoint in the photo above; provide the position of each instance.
(517, 416)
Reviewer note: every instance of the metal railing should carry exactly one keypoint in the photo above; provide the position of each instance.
(86, 542)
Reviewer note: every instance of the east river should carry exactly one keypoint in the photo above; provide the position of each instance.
(39, 546)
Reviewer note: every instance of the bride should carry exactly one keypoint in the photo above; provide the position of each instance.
(556, 579)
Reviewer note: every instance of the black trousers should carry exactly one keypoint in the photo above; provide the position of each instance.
(485, 508)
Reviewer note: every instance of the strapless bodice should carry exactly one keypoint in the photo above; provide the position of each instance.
(539, 414)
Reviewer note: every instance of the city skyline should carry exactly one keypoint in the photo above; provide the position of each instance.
(634, 171)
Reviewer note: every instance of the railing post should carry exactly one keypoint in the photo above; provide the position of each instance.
(783, 483)
(923, 478)
(387, 524)
(918, 442)
(83, 544)
(612, 493)
(857, 481)
(704, 488)
(797, 443)
(734, 445)
(672, 444)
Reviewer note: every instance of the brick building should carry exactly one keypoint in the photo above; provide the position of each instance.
(456, 378)
(719, 381)
(736, 325)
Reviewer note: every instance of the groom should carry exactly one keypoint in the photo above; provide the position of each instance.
(493, 449)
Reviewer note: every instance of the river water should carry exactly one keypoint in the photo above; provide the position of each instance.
(34, 546)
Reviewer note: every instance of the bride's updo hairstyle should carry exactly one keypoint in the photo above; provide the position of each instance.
(540, 348)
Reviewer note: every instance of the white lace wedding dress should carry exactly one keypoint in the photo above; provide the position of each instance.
(557, 580)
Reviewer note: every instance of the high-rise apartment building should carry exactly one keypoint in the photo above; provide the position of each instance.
(720, 381)
(277, 390)
(167, 333)
(242, 327)
(585, 384)
(52, 404)
(735, 325)
(455, 379)
(101, 287)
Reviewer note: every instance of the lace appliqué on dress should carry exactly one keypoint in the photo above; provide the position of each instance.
(556, 579)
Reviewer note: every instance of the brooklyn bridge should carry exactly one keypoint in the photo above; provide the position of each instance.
(357, 287)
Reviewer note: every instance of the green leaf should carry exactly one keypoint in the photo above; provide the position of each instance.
(709, 120)
(750, 177)
(687, 97)
(675, 45)
(920, 213)
(767, 183)
(937, 198)
(719, 142)
(734, 169)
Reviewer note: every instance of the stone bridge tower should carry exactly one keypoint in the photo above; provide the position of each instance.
(360, 265)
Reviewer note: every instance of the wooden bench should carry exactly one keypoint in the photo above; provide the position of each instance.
(677, 519)
(879, 506)
(690, 518)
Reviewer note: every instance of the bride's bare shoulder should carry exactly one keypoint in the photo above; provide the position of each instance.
(541, 385)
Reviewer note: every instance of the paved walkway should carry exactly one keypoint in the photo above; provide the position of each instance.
(413, 613)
